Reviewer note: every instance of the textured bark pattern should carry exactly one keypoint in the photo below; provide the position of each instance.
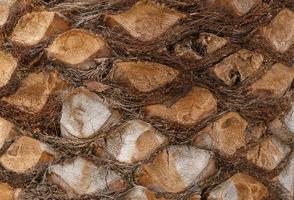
(146, 99)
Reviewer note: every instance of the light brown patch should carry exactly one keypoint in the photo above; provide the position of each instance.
(198, 104)
(25, 154)
(275, 82)
(35, 27)
(145, 20)
(162, 175)
(143, 76)
(268, 154)
(240, 187)
(237, 67)
(35, 90)
(77, 48)
(8, 65)
(280, 32)
(225, 135)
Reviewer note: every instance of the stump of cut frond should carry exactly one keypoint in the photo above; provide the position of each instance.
(36, 27)
(7, 67)
(9, 193)
(77, 49)
(10, 8)
(25, 154)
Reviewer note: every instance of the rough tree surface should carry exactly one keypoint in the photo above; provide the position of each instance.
(146, 99)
